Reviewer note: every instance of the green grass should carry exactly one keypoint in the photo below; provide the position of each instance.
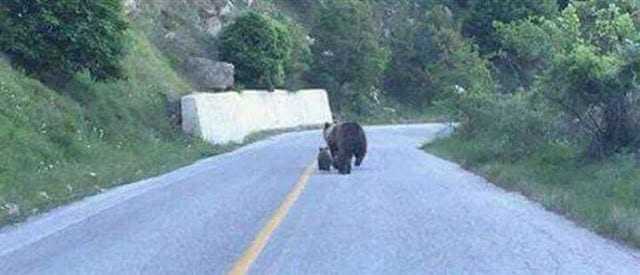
(603, 196)
(64, 144)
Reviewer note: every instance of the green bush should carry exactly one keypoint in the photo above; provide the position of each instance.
(584, 64)
(259, 47)
(509, 126)
(55, 39)
(591, 77)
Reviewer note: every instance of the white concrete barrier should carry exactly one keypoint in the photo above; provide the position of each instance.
(230, 117)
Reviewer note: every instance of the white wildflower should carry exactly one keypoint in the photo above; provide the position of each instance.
(12, 209)
(44, 195)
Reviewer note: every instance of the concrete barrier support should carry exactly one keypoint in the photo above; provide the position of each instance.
(230, 117)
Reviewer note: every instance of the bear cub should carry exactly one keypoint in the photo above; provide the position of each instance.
(324, 159)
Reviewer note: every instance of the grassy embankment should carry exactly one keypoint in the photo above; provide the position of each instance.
(603, 196)
(61, 145)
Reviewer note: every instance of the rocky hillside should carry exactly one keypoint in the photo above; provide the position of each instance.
(186, 31)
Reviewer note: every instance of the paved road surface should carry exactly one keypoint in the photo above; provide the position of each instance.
(403, 212)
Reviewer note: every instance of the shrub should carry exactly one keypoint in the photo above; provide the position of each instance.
(509, 126)
(584, 63)
(592, 76)
(527, 47)
(55, 39)
(259, 47)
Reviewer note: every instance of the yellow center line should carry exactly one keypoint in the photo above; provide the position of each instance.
(242, 265)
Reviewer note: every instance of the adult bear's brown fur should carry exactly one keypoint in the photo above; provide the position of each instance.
(345, 141)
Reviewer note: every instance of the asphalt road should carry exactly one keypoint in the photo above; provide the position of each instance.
(403, 212)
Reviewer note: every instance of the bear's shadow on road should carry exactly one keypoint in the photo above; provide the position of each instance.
(334, 172)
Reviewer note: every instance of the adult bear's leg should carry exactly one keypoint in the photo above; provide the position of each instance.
(359, 158)
(361, 149)
(343, 161)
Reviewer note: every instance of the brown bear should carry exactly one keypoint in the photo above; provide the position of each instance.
(345, 141)
(324, 159)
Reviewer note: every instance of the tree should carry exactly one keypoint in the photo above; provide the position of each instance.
(479, 24)
(411, 48)
(432, 58)
(593, 73)
(527, 48)
(581, 68)
(347, 55)
(55, 39)
(259, 47)
(563, 4)
(458, 63)
(299, 60)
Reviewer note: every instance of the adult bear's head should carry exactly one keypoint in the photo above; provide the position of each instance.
(327, 129)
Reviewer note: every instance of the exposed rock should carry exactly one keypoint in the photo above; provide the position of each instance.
(173, 109)
(184, 28)
(207, 74)
(131, 6)
(207, 16)
(182, 45)
(213, 14)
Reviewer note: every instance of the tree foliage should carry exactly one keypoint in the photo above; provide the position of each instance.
(456, 63)
(526, 50)
(299, 62)
(55, 39)
(431, 58)
(411, 48)
(347, 55)
(591, 57)
(259, 47)
(484, 13)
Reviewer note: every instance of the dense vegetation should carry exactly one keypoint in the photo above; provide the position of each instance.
(53, 40)
(560, 124)
(579, 89)
(347, 56)
(260, 48)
